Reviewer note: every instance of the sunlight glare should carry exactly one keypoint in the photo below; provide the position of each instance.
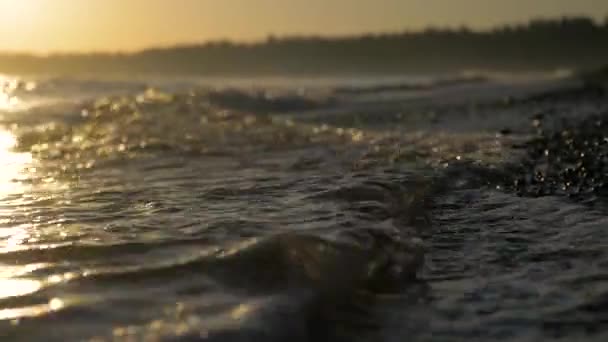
(12, 12)
(17, 287)
(12, 164)
(8, 100)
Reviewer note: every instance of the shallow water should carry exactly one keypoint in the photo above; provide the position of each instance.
(189, 211)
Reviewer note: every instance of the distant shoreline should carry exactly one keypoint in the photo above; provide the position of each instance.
(541, 45)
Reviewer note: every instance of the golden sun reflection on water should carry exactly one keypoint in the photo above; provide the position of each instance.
(54, 304)
(17, 287)
(12, 165)
(8, 101)
(15, 169)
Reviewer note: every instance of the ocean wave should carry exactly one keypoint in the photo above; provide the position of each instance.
(165, 215)
(405, 87)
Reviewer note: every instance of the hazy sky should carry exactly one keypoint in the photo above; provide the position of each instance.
(94, 25)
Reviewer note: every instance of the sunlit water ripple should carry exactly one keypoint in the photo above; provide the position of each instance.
(133, 213)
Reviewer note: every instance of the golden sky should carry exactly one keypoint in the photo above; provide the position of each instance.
(127, 25)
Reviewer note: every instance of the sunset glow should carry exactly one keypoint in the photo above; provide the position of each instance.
(14, 14)
(110, 25)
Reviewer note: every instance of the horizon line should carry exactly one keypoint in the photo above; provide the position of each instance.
(294, 36)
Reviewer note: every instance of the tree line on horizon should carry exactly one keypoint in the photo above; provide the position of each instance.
(541, 44)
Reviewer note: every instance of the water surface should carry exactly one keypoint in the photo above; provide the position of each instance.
(303, 210)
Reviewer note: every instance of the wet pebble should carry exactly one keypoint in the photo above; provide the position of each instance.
(571, 160)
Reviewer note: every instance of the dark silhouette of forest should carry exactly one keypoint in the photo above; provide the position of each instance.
(541, 44)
